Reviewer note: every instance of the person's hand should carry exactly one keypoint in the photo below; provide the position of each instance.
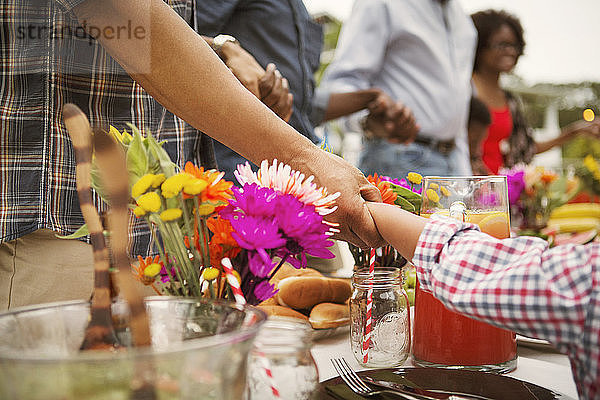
(334, 173)
(275, 93)
(391, 120)
(243, 65)
(581, 127)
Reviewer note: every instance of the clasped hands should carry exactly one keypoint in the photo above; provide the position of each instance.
(268, 85)
(391, 120)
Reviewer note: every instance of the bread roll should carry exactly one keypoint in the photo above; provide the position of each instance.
(302, 292)
(329, 315)
(282, 312)
(288, 270)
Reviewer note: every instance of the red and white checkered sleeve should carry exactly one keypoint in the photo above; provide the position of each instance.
(518, 283)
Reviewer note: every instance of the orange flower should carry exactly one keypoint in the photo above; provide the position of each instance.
(548, 177)
(218, 189)
(222, 244)
(388, 196)
(138, 270)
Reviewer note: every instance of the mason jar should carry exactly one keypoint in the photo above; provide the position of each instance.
(387, 342)
(281, 360)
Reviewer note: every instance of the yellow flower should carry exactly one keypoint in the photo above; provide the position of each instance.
(432, 195)
(143, 184)
(173, 185)
(171, 214)
(415, 178)
(590, 163)
(195, 186)
(158, 180)
(152, 270)
(434, 186)
(149, 201)
(210, 274)
(445, 191)
(139, 211)
(206, 209)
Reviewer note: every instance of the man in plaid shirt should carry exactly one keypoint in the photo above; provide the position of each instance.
(556, 289)
(87, 52)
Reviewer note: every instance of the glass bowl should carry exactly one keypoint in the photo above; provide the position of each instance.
(199, 351)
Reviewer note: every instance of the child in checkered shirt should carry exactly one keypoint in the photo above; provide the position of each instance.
(557, 288)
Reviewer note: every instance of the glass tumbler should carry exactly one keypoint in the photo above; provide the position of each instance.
(443, 338)
(387, 342)
(282, 350)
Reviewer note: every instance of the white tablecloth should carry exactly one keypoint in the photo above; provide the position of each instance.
(541, 366)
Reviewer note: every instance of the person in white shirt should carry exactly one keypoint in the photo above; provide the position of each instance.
(419, 52)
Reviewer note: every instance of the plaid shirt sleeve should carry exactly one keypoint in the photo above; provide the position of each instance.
(520, 284)
(68, 5)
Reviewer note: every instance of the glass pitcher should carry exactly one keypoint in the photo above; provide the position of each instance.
(443, 338)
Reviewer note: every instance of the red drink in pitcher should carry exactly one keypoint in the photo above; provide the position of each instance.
(443, 338)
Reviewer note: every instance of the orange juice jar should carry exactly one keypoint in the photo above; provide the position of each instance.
(443, 338)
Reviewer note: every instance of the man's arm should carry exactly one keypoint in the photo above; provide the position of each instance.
(182, 72)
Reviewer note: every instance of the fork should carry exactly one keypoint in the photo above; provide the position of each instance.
(358, 386)
(353, 381)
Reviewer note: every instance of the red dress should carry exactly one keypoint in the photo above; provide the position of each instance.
(499, 131)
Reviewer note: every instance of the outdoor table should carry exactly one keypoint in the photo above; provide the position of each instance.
(540, 365)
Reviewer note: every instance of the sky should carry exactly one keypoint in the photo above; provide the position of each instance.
(563, 36)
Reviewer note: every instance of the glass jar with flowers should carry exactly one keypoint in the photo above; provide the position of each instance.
(535, 191)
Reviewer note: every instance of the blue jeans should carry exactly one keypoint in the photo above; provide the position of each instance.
(397, 160)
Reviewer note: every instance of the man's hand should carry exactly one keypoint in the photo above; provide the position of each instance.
(275, 93)
(355, 222)
(243, 65)
(269, 86)
(391, 120)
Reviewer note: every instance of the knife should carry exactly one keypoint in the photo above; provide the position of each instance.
(426, 394)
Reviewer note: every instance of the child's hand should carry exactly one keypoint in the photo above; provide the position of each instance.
(399, 228)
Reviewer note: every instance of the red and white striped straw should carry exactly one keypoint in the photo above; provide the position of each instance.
(267, 368)
(241, 300)
(367, 335)
(233, 282)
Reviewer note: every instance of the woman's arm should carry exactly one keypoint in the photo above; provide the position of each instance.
(569, 132)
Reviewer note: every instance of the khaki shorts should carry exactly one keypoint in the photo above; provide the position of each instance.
(40, 268)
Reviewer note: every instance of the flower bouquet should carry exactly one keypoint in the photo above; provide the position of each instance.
(534, 192)
(197, 219)
(163, 347)
(539, 203)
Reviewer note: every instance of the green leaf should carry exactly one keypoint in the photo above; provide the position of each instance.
(166, 165)
(137, 159)
(81, 232)
(404, 192)
(96, 182)
(405, 204)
